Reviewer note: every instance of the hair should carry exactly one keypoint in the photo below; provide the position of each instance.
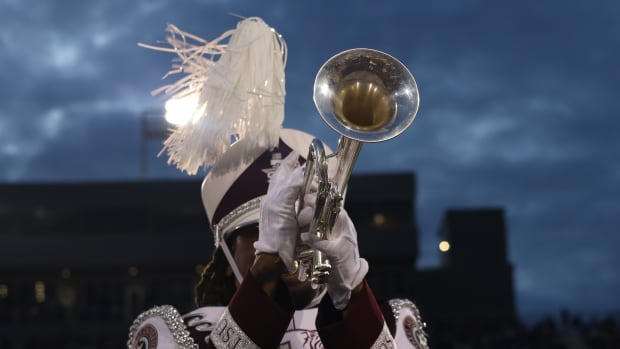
(217, 282)
(216, 285)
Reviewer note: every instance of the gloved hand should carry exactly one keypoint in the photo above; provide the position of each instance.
(348, 269)
(305, 215)
(278, 228)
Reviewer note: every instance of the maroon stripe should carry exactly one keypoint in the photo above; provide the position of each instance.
(252, 183)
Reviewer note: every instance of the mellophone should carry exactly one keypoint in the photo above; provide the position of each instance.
(366, 96)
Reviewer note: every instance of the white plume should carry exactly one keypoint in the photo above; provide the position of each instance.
(240, 87)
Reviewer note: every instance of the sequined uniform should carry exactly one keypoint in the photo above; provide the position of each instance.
(253, 320)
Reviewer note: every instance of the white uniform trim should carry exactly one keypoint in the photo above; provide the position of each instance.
(163, 318)
(227, 334)
(385, 340)
(410, 329)
(301, 333)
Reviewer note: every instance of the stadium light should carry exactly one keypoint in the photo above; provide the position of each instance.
(179, 111)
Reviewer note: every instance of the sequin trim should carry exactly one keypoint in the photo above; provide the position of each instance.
(420, 332)
(385, 340)
(173, 321)
(223, 226)
(228, 334)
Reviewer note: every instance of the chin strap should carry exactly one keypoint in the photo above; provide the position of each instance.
(233, 264)
(229, 257)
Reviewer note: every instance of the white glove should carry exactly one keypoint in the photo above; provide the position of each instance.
(305, 215)
(348, 269)
(277, 227)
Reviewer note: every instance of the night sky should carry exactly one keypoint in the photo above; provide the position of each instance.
(519, 109)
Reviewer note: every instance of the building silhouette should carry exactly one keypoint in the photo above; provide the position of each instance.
(473, 287)
(78, 261)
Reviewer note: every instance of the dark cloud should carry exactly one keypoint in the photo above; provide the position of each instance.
(517, 110)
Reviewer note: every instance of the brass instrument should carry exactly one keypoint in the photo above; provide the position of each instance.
(366, 96)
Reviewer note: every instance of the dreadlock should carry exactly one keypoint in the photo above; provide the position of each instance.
(217, 283)
(216, 286)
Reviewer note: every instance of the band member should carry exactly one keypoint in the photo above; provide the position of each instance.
(249, 295)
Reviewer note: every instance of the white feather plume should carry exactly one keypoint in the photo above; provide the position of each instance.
(240, 88)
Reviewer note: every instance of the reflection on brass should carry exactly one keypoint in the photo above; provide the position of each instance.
(363, 105)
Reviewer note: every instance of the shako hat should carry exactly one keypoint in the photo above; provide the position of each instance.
(231, 197)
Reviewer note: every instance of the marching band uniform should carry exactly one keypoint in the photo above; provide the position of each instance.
(163, 327)
(252, 319)
(234, 192)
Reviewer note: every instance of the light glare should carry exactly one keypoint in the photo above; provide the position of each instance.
(39, 291)
(378, 219)
(179, 111)
(325, 90)
(444, 246)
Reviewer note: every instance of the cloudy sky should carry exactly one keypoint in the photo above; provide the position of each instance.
(518, 109)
